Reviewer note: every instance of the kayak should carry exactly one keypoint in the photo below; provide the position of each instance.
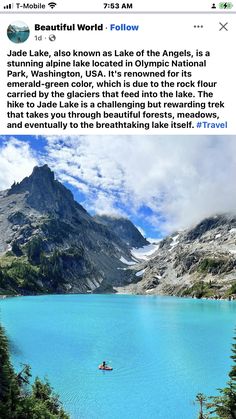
(107, 368)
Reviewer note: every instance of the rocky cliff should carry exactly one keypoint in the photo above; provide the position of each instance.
(124, 229)
(49, 243)
(198, 262)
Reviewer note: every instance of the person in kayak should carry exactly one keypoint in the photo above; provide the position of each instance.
(105, 367)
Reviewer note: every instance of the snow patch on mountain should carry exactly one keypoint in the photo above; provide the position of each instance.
(145, 252)
(140, 273)
(127, 262)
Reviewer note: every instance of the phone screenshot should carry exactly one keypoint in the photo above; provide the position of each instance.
(117, 210)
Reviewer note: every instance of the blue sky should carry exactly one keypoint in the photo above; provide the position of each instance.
(161, 183)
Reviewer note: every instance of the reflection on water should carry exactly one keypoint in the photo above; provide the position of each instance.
(14, 348)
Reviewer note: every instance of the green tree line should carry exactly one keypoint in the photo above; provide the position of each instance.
(19, 399)
(222, 406)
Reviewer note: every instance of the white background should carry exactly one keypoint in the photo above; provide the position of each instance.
(173, 32)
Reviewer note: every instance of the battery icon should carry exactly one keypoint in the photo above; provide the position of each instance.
(226, 5)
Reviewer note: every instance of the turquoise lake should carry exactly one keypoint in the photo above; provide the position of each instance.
(164, 350)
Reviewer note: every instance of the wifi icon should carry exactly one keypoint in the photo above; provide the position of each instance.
(52, 4)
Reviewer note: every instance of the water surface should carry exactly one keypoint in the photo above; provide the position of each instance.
(164, 351)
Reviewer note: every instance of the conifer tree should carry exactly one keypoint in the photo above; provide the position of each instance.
(20, 401)
(232, 373)
(224, 405)
(9, 389)
(201, 400)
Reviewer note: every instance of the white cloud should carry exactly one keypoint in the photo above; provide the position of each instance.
(16, 161)
(103, 203)
(181, 179)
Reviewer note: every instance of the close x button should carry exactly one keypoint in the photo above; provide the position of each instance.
(223, 26)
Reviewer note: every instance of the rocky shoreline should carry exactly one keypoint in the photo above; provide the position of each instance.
(132, 289)
(3, 296)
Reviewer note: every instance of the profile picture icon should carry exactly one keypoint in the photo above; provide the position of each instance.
(18, 32)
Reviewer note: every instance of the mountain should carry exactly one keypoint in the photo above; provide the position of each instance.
(198, 262)
(123, 228)
(49, 242)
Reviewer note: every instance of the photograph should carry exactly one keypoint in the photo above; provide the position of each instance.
(118, 276)
(18, 32)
